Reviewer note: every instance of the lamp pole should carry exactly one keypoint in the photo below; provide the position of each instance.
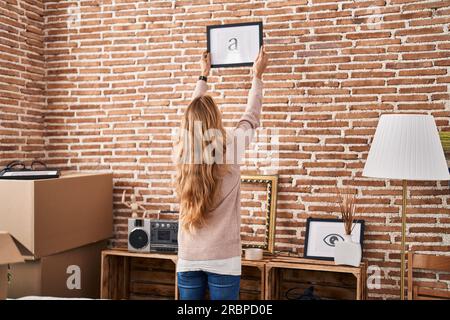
(402, 266)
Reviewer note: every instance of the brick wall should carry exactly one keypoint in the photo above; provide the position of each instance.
(21, 80)
(120, 72)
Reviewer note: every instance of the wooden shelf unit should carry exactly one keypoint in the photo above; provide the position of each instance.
(252, 279)
(124, 275)
(130, 275)
(127, 275)
(330, 280)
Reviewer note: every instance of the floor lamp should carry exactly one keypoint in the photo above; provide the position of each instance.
(406, 147)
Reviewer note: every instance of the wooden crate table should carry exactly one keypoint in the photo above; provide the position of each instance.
(253, 279)
(330, 281)
(131, 275)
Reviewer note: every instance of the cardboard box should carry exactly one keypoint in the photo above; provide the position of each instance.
(54, 215)
(9, 253)
(70, 274)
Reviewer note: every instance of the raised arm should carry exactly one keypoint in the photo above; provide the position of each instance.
(251, 117)
(252, 114)
(205, 64)
(250, 120)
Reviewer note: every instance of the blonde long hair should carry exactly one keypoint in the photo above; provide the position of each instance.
(199, 174)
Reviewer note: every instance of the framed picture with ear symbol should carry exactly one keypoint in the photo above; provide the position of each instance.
(234, 45)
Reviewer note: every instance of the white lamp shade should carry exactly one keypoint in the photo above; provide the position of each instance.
(406, 147)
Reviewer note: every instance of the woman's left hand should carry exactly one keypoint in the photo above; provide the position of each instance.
(205, 63)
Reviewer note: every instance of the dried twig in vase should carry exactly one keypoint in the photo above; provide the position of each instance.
(347, 207)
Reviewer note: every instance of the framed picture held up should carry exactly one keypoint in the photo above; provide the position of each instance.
(234, 45)
(323, 234)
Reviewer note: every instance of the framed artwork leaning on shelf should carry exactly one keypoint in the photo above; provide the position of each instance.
(258, 211)
(323, 234)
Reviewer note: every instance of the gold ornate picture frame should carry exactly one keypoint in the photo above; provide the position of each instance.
(267, 210)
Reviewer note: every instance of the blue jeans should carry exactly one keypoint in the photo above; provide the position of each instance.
(192, 285)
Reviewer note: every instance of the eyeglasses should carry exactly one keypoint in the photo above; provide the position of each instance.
(20, 166)
(37, 170)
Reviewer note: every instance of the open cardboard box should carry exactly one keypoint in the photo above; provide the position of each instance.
(55, 215)
(70, 274)
(9, 254)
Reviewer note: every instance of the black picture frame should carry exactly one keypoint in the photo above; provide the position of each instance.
(307, 236)
(208, 41)
(449, 174)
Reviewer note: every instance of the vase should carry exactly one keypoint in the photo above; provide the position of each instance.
(347, 252)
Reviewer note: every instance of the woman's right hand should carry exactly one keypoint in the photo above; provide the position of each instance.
(205, 63)
(261, 63)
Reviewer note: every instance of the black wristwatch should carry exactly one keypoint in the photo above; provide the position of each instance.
(203, 78)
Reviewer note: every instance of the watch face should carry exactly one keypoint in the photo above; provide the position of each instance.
(138, 238)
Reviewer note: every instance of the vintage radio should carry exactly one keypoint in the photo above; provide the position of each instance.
(152, 235)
